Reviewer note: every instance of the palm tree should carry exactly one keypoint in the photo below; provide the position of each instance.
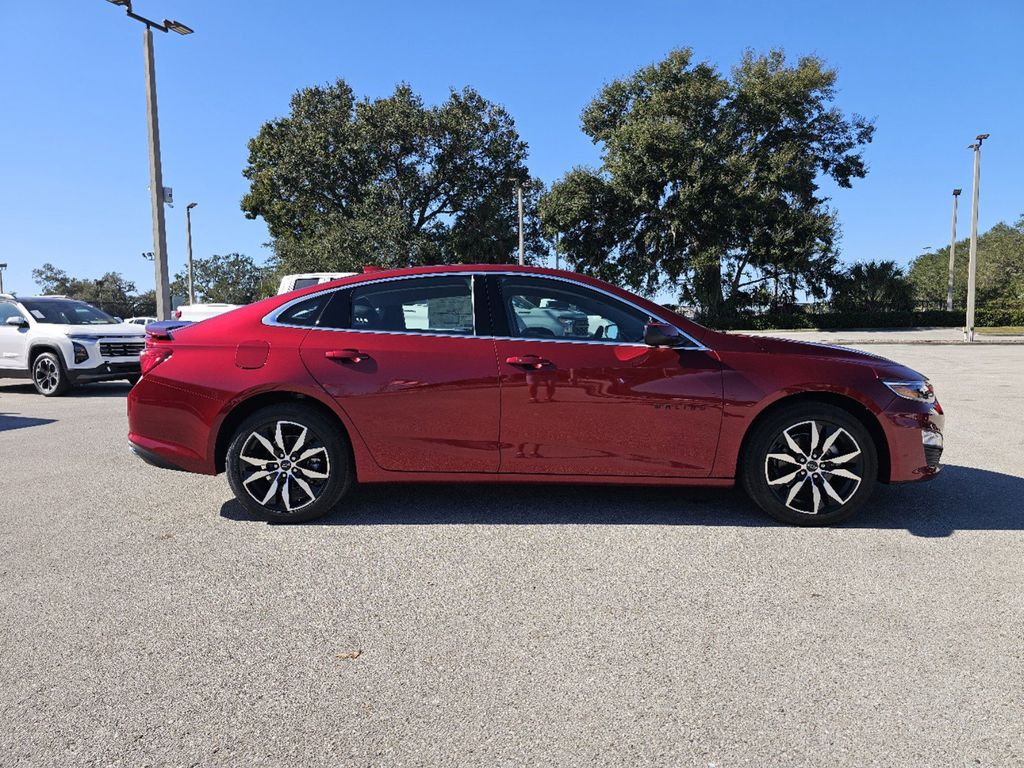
(880, 286)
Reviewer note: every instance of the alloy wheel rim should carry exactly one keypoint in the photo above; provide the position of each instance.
(284, 466)
(46, 375)
(814, 467)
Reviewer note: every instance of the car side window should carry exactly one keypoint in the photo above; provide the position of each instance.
(304, 313)
(8, 310)
(543, 308)
(414, 305)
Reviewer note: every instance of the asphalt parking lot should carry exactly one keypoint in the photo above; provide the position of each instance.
(144, 619)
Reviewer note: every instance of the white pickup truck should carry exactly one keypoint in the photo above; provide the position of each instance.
(196, 312)
(294, 282)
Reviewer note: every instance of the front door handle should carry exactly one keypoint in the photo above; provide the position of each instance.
(346, 355)
(529, 361)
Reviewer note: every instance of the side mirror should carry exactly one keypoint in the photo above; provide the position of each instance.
(17, 321)
(663, 335)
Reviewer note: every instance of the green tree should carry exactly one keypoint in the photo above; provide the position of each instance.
(145, 304)
(710, 183)
(342, 183)
(1000, 271)
(232, 278)
(112, 292)
(879, 286)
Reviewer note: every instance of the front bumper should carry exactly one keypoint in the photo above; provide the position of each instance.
(104, 372)
(915, 438)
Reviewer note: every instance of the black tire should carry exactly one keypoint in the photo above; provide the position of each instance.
(254, 472)
(49, 375)
(785, 472)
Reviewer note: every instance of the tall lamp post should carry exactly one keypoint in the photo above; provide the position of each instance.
(972, 266)
(188, 240)
(952, 254)
(2, 268)
(519, 200)
(156, 180)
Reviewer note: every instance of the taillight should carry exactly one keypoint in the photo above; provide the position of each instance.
(177, 314)
(151, 357)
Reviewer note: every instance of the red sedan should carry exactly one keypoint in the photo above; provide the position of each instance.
(512, 375)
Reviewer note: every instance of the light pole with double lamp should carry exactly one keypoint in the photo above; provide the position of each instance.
(972, 266)
(156, 179)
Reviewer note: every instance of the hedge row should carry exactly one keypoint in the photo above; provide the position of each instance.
(984, 317)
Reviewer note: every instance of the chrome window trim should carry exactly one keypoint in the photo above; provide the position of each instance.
(271, 318)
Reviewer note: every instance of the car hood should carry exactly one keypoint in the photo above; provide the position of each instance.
(103, 331)
(884, 367)
(773, 345)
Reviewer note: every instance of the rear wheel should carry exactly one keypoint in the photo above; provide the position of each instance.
(49, 376)
(287, 463)
(810, 465)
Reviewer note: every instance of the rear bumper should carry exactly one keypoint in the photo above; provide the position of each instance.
(152, 458)
(169, 427)
(104, 372)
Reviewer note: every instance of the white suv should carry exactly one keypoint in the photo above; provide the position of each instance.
(59, 342)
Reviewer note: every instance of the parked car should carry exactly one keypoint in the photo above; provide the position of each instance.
(59, 342)
(195, 313)
(198, 312)
(540, 317)
(306, 279)
(328, 385)
(140, 320)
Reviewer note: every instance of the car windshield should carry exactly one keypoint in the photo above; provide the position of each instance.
(66, 312)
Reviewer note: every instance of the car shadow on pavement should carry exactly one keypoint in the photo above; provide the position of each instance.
(9, 421)
(959, 499)
(102, 389)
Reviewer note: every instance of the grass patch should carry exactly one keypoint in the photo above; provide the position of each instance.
(1001, 330)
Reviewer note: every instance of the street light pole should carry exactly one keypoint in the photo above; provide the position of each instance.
(2, 268)
(156, 184)
(952, 255)
(156, 179)
(188, 239)
(522, 253)
(972, 266)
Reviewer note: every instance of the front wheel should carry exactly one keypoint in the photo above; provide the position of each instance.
(49, 376)
(288, 463)
(810, 465)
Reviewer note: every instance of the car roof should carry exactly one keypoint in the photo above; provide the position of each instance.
(437, 269)
(50, 298)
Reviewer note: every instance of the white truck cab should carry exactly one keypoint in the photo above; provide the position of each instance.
(294, 282)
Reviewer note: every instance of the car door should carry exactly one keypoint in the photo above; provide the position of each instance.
(13, 340)
(403, 359)
(581, 394)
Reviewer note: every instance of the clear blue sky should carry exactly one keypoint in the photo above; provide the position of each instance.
(73, 168)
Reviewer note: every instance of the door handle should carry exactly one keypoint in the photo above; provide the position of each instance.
(529, 361)
(346, 355)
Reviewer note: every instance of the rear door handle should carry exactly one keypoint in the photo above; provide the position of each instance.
(529, 361)
(346, 355)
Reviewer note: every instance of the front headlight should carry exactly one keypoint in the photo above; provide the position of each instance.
(921, 390)
(81, 353)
